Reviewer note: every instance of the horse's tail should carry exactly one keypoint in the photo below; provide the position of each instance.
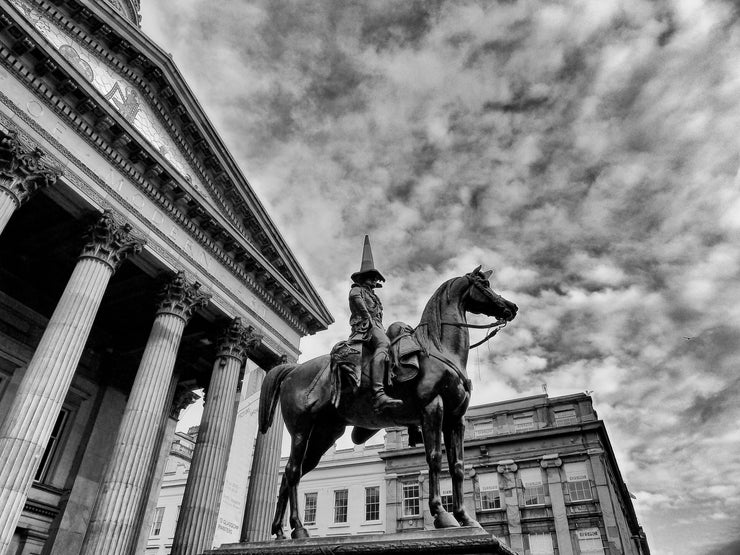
(270, 394)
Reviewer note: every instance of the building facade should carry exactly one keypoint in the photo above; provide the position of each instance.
(136, 266)
(540, 474)
(346, 494)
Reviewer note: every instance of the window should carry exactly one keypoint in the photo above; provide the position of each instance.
(540, 544)
(157, 522)
(483, 428)
(309, 508)
(589, 541)
(445, 491)
(411, 499)
(565, 417)
(340, 505)
(534, 489)
(523, 422)
(52, 446)
(372, 503)
(490, 496)
(576, 477)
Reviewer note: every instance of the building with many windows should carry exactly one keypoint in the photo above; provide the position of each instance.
(540, 474)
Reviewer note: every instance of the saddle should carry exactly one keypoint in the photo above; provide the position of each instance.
(350, 367)
(404, 353)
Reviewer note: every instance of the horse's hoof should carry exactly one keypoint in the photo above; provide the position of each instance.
(279, 535)
(299, 533)
(445, 520)
(465, 520)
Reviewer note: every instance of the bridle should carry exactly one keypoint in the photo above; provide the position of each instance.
(495, 327)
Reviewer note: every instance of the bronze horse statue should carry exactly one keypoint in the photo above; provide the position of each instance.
(437, 398)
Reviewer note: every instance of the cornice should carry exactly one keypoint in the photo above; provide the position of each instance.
(46, 73)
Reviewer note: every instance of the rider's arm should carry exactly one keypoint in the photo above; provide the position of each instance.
(357, 303)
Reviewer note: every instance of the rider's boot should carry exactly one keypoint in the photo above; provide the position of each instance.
(381, 400)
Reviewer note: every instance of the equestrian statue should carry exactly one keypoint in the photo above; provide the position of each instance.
(406, 377)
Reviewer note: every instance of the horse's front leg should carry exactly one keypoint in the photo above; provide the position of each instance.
(431, 424)
(454, 432)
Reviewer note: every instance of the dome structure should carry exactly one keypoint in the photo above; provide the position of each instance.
(129, 9)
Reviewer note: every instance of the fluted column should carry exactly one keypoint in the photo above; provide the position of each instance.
(112, 528)
(199, 510)
(263, 483)
(22, 173)
(26, 430)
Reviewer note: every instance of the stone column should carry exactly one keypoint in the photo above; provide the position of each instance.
(28, 425)
(179, 397)
(21, 174)
(112, 529)
(263, 482)
(201, 500)
(552, 464)
(510, 501)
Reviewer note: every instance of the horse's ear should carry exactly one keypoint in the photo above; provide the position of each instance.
(477, 270)
(487, 274)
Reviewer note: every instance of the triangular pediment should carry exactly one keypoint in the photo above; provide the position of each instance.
(144, 107)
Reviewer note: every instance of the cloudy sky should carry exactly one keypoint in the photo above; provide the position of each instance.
(587, 151)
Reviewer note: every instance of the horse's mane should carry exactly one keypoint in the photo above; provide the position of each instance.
(429, 331)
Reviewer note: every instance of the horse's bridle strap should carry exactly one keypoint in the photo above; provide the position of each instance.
(497, 325)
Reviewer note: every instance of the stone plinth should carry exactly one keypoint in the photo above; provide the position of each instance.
(457, 541)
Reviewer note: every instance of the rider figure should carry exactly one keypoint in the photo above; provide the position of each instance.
(367, 325)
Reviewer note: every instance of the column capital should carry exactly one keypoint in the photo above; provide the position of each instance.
(505, 466)
(551, 461)
(22, 171)
(184, 397)
(237, 340)
(181, 297)
(111, 241)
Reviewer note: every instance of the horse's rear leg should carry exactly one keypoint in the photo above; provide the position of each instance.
(289, 487)
(277, 521)
(323, 437)
(453, 432)
(307, 454)
(293, 473)
(431, 425)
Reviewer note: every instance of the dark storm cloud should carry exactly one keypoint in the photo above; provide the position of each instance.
(726, 548)
(588, 151)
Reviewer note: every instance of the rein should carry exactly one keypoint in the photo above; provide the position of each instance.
(494, 327)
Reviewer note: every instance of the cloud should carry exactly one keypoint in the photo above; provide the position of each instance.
(587, 151)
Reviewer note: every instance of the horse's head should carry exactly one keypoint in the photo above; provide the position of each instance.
(481, 299)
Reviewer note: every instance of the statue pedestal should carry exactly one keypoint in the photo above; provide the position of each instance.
(449, 541)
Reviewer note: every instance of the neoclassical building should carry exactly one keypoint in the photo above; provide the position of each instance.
(136, 266)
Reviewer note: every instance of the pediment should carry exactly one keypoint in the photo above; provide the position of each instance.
(140, 102)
